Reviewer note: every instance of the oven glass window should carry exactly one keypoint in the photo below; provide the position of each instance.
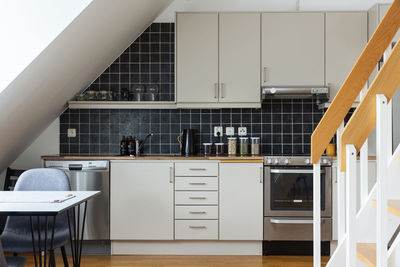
(292, 189)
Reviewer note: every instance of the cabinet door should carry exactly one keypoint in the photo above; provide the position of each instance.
(239, 57)
(197, 57)
(293, 49)
(241, 201)
(142, 206)
(346, 37)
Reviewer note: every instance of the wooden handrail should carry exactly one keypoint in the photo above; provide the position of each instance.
(363, 120)
(355, 81)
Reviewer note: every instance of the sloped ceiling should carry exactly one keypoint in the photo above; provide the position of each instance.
(68, 65)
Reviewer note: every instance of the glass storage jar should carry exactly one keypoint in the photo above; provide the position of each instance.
(207, 149)
(244, 146)
(232, 142)
(255, 146)
(219, 149)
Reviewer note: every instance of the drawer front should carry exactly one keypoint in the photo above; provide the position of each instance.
(196, 169)
(196, 183)
(196, 212)
(196, 229)
(286, 228)
(196, 198)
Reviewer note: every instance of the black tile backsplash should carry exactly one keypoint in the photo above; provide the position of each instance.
(282, 130)
(285, 126)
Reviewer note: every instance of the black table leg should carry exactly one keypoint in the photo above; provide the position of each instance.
(33, 240)
(76, 234)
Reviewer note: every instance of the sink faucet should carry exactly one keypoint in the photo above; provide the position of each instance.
(140, 144)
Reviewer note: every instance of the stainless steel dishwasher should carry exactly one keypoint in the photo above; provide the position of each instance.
(88, 176)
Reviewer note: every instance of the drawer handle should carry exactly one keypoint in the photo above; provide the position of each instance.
(197, 212)
(197, 183)
(197, 227)
(197, 198)
(280, 221)
(197, 169)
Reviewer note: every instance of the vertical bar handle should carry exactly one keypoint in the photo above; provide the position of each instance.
(265, 74)
(261, 175)
(222, 90)
(171, 174)
(216, 90)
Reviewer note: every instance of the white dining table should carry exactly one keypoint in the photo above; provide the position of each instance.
(49, 204)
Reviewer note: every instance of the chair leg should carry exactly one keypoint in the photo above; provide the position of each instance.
(52, 259)
(64, 256)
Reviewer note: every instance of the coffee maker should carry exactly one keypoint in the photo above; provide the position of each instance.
(186, 141)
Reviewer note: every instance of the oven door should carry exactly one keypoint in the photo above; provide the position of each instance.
(289, 191)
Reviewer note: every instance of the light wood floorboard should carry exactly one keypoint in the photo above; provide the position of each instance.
(196, 261)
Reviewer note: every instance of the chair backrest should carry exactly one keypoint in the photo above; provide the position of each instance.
(11, 178)
(43, 179)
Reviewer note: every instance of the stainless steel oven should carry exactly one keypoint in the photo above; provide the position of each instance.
(288, 198)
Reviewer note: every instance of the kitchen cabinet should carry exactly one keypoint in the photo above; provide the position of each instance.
(241, 201)
(217, 59)
(293, 49)
(142, 201)
(346, 37)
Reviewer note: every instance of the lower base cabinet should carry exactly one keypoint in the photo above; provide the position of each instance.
(241, 201)
(142, 201)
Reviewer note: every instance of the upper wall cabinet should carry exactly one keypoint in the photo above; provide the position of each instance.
(218, 59)
(346, 37)
(293, 49)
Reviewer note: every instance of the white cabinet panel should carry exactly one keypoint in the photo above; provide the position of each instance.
(196, 169)
(196, 229)
(346, 37)
(142, 201)
(196, 212)
(197, 57)
(239, 57)
(196, 198)
(293, 49)
(196, 183)
(241, 201)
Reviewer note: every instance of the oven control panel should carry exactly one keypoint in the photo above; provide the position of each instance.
(294, 161)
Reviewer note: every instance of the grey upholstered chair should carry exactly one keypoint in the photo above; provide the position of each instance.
(17, 237)
(10, 261)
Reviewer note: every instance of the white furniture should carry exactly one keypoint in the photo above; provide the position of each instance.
(217, 60)
(293, 49)
(346, 37)
(196, 201)
(142, 200)
(159, 206)
(241, 205)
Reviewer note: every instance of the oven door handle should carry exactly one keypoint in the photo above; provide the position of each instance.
(292, 171)
(289, 221)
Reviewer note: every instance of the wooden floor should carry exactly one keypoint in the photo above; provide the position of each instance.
(197, 261)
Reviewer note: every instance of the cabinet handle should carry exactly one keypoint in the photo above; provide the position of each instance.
(197, 183)
(197, 169)
(222, 90)
(197, 227)
(171, 174)
(261, 175)
(216, 88)
(265, 74)
(197, 212)
(197, 198)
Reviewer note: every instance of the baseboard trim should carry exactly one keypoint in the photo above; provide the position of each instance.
(186, 247)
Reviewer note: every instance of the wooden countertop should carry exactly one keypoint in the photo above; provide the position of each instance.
(156, 157)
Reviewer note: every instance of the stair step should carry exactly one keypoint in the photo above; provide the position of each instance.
(393, 206)
(366, 252)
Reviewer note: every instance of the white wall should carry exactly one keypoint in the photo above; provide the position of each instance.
(264, 5)
(27, 27)
(48, 143)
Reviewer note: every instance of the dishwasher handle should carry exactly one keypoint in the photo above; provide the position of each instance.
(75, 167)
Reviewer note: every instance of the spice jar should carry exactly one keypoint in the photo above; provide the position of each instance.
(232, 141)
(255, 146)
(207, 149)
(219, 149)
(244, 146)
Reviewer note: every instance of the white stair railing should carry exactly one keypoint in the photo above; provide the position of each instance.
(351, 207)
(341, 203)
(317, 214)
(384, 153)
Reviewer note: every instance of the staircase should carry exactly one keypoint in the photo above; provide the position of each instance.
(369, 237)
